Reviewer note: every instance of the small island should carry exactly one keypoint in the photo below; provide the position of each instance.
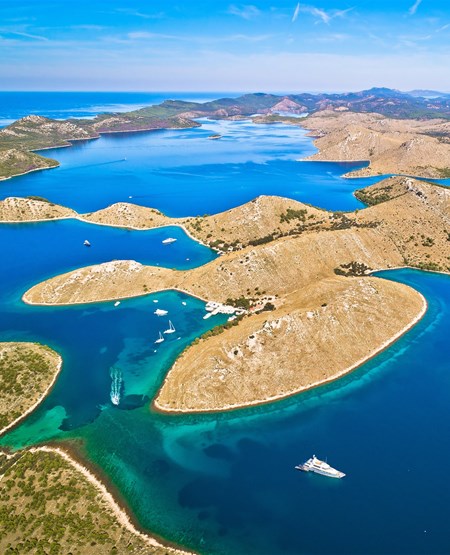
(27, 373)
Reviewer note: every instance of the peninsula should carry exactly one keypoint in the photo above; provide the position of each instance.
(397, 132)
(313, 311)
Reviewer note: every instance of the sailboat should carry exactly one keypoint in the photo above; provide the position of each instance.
(171, 328)
(160, 338)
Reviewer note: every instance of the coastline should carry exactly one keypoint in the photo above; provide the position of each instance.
(120, 513)
(31, 303)
(19, 419)
(157, 408)
(30, 171)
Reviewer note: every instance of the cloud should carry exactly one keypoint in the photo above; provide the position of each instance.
(413, 9)
(296, 12)
(246, 12)
(321, 14)
(136, 13)
(25, 35)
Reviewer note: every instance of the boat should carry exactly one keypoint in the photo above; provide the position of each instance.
(319, 467)
(117, 303)
(86, 243)
(168, 240)
(171, 328)
(160, 312)
(184, 303)
(160, 338)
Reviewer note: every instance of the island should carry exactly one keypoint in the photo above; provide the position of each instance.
(27, 373)
(60, 507)
(307, 307)
(302, 275)
(397, 132)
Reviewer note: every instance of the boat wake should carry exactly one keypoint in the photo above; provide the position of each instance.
(116, 385)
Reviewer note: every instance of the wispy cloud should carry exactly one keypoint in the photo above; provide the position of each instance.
(413, 9)
(443, 28)
(296, 12)
(320, 14)
(24, 35)
(246, 12)
(142, 36)
(137, 13)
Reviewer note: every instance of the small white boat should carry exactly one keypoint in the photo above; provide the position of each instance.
(184, 303)
(160, 312)
(171, 328)
(117, 303)
(160, 338)
(86, 243)
(155, 301)
(168, 240)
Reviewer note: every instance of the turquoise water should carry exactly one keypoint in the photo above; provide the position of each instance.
(225, 483)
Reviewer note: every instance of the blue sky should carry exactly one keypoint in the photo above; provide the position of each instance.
(261, 45)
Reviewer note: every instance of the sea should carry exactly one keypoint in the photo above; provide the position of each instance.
(221, 483)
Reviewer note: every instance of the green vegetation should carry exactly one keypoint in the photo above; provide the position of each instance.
(430, 266)
(292, 214)
(352, 269)
(444, 172)
(41, 199)
(15, 162)
(26, 370)
(240, 302)
(48, 507)
(370, 196)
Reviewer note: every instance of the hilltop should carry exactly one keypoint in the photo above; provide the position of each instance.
(412, 147)
(37, 132)
(302, 272)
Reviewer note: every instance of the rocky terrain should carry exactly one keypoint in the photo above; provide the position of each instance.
(410, 147)
(297, 268)
(17, 209)
(424, 136)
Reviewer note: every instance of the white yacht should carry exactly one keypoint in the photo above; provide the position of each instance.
(86, 243)
(169, 240)
(160, 312)
(319, 467)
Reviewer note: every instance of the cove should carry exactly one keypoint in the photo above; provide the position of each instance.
(182, 173)
(225, 483)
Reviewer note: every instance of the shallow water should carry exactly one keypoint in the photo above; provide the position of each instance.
(226, 483)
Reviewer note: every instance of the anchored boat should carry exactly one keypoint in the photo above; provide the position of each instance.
(171, 328)
(168, 240)
(319, 467)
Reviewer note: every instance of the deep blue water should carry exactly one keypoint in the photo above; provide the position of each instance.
(225, 483)
(183, 173)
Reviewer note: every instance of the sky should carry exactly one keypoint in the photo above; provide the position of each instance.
(215, 45)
